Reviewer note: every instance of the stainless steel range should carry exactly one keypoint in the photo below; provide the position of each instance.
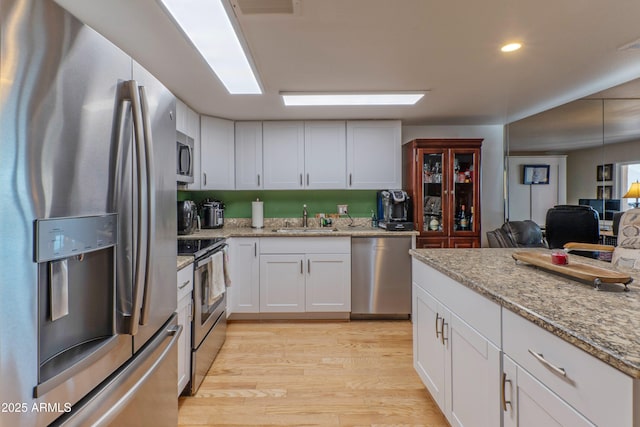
(209, 326)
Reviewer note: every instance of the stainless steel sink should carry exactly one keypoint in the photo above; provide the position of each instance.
(304, 230)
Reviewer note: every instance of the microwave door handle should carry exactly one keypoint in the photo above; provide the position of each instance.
(151, 202)
(141, 233)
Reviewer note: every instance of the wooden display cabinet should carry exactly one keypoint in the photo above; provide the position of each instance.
(442, 176)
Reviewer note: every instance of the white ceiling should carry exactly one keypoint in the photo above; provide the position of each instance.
(450, 48)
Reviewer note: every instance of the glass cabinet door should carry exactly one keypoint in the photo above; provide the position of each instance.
(463, 178)
(433, 176)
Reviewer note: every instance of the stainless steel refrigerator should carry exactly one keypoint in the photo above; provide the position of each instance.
(87, 228)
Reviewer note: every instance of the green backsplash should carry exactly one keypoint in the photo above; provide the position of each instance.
(288, 203)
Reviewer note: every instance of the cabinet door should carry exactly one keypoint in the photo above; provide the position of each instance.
(217, 154)
(182, 119)
(434, 221)
(328, 282)
(248, 161)
(428, 347)
(528, 403)
(193, 127)
(374, 158)
(282, 283)
(473, 370)
(325, 155)
(463, 169)
(283, 151)
(184, 342)
(244, 294)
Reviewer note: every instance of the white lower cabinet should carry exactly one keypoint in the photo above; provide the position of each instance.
(305, 274)
(290, 275)
(282, 283)
(184, 311)
(460, 341)
(529, 403)
(455, 358)
(244, 292)
(557, 381)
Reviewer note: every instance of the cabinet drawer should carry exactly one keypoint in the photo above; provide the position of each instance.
(470, 306)
(185, 281)
(598, 391)
(309, 245)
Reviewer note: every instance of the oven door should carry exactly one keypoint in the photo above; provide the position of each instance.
(208, 304)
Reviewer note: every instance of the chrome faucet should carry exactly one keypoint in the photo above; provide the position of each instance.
(305, 216)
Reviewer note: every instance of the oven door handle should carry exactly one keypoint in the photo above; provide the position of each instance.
(204, 261)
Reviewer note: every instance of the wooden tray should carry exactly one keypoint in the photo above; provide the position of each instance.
(590, 273)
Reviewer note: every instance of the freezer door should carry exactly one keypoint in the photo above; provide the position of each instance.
(158, 296)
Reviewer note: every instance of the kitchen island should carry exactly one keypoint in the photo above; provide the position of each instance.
(561, 347)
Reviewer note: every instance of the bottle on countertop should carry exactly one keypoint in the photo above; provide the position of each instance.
(374, 219)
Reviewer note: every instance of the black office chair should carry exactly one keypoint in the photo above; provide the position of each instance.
(572, 223)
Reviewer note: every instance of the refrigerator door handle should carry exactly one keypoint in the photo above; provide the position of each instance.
(141, 181)
(151, 202)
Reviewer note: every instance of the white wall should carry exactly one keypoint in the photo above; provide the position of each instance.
(533, 201)
(582, 164)
(492, 164)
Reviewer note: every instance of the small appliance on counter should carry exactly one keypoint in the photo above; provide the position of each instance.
(394, 207)
(212, 213)
(187, 217)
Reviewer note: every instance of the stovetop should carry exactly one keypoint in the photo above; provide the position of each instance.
(199, 247)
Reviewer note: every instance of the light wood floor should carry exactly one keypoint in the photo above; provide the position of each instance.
(356, 373)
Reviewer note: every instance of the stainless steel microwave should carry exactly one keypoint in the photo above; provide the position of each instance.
(184, 158)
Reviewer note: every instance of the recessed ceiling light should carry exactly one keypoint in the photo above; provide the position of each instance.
(207, 24)
(511, 47)
(372, 98)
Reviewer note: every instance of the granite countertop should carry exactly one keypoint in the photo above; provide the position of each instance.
(358, 231)
(184, 261)
(605, 323)
(231, 231)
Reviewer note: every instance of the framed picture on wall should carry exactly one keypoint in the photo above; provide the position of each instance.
(535, 174)
(604, 192)
(605, 172)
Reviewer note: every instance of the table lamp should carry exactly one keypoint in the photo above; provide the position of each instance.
(634, 191)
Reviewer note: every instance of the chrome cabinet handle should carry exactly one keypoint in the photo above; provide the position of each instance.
(503, 393)
(301, 267)
(350, 180)
(300, 180)
(442, 337)
(184, 284)
(255, 249)
(437, 332)
(307, 179)
(204, 178)
(258, 180)
(545, 362)
(309, 266)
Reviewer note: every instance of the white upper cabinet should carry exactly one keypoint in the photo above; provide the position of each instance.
(374, 157)
(217, 154)
(325, 154)
(283, 151)
(248, 159)
(182, 119)
(193, 129)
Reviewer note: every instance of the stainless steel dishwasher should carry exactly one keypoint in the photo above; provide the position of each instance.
(380, 277)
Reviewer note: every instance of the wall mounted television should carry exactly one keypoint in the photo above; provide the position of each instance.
(605, 208)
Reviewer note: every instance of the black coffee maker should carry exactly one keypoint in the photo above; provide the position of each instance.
(394, 210)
